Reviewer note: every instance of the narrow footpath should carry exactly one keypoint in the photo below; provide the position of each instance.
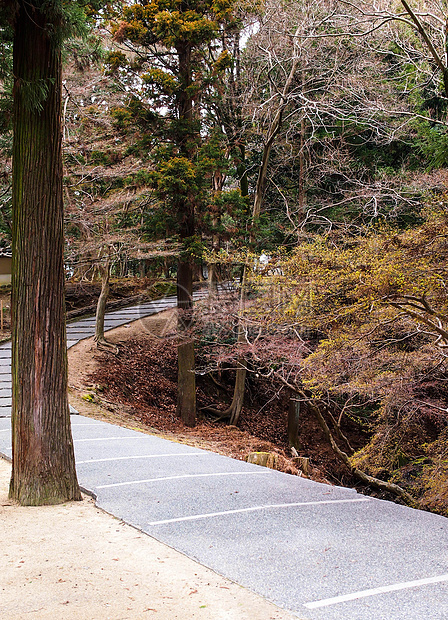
(318, 551)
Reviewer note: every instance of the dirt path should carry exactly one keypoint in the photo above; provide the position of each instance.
(75, 561)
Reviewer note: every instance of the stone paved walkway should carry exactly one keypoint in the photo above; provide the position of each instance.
(85, 328)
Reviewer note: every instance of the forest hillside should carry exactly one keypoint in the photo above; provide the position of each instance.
(297, 152)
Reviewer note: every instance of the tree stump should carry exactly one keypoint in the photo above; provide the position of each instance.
(265, 459)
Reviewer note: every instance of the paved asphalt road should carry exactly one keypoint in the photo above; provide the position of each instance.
(319, 551)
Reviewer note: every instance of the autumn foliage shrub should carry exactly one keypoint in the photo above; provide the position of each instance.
(358, 326)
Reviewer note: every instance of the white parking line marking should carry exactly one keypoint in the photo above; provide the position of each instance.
(92, 424)
(382, 590)
(230, 473)
(143, 456)
(107, 438)
(255, 508)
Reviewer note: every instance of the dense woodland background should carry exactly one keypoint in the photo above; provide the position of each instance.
(300, 151)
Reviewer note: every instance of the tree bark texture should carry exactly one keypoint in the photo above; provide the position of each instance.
(186, 379)
(212, 276)
(186, 394)
(102, 301)
(293, 421)
(43, 464)
(238, 392)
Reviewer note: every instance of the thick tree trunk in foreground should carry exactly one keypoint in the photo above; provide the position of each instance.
(43, 457)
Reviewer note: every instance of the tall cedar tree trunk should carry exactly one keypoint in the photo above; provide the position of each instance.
(43, 464)
(186, 380)
(218, 182)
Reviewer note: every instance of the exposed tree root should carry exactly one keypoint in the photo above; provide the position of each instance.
(375, 482)
(104, 344)
(371, 480)
(232, 413)
(218, 384)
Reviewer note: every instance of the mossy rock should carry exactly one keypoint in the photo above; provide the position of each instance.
(265, 459)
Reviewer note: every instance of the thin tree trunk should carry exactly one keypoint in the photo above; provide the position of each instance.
(212, 275)
(218, 181)
(238, 395)
(239, 390)
(302, 172)
(166, 268)
(198, 276)
(422, 29)
(343, 456)
(43, 464)
(302, 169)
(166, 260)
(273, 130)
(186, 379)
(233, 412)
(378, 484)
(293, 421)
(101, 305)
(242, 172)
